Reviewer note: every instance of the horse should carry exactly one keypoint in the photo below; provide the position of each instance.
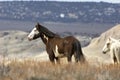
(56, 46)
(113, 46)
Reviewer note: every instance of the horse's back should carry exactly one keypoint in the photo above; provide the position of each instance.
(70, 38)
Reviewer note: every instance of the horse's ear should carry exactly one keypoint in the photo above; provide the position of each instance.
(38, 23)
(110, 38)
(38, 26)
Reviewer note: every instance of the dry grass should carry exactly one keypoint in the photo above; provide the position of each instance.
(32, 70)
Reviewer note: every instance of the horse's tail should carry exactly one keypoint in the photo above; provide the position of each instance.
(78, 54)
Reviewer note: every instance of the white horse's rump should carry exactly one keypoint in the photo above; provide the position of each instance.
(113, 46)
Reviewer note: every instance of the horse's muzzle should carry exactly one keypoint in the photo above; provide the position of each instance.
(104, 52)
(29, 39)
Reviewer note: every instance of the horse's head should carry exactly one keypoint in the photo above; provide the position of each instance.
(41, 31)
(35, 33)
(108, 44)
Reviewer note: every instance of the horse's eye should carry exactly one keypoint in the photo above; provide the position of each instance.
(35, 30)
(108, 44)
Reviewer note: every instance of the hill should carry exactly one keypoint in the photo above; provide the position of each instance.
(43, 11)
(15, 44)
(94, 49)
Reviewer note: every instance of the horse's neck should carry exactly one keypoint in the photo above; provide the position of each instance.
(47, 35)
(47, 39)
(44, 38)
(115, 44)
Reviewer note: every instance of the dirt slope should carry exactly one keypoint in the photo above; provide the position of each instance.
(94, 50)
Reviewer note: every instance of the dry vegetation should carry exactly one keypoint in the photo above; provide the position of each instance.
(32, 70)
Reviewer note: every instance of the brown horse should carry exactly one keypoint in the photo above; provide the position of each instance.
(56, 46)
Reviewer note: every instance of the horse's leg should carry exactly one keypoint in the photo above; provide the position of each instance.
(51, 55)
(118, 58)
(78, 54)
(57, 60)
(112, 56)
(117, 55)
(115, 59)
(52, 59)
(69, 56)
(76, 57)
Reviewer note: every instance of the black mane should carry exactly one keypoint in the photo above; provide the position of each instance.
(47, 32)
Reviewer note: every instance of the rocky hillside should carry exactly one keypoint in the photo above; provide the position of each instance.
(43, 11)
(15, 43)
(94, 50)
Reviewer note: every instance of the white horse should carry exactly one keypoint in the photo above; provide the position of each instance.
(113, 46)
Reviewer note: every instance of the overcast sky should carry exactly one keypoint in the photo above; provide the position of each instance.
(111, 1)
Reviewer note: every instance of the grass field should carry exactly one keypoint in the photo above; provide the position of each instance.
(32, 70)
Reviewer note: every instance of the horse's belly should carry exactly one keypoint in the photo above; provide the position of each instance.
(57, 53)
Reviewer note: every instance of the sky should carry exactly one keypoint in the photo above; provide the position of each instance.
(110, 1)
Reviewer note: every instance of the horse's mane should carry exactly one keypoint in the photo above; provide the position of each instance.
(47, 32)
